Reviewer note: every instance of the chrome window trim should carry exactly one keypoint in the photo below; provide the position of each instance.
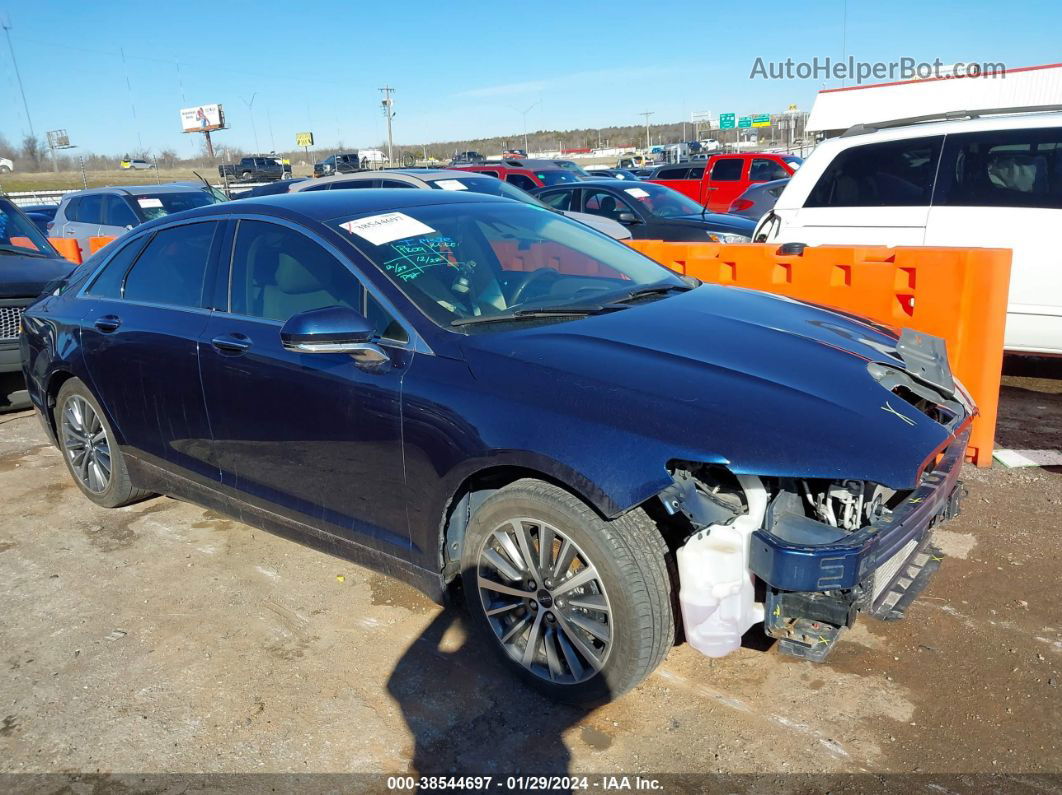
(416, 342)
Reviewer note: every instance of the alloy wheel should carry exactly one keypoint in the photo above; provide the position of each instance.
(86, 445)
(545, 601)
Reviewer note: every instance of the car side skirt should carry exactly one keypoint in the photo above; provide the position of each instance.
(153, 478)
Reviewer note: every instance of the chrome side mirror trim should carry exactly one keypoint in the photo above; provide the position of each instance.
(363, 352)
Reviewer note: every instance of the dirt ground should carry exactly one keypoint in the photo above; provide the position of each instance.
(164, 637)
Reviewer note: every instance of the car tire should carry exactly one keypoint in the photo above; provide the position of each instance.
(89, 449)
(5, 170)
(594, 641)
(246, 176)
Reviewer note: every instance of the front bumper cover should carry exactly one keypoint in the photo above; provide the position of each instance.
(845, 563)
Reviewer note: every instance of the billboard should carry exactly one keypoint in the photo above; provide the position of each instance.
(202, 118)
(304, 139)
(58, 139)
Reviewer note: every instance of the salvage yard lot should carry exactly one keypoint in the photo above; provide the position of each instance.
(165, 637)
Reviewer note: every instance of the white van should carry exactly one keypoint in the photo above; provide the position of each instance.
(991, 181)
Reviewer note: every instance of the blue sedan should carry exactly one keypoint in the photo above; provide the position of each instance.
(454, 387)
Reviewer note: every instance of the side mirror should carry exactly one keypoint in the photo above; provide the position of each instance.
(334, 329)
(628, 218)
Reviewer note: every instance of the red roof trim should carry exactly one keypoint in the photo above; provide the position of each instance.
(932, 79)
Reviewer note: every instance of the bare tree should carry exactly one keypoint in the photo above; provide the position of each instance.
(32, 153)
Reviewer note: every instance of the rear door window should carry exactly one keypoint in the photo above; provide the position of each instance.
(394, 183)
(1002, 168)
(90, 210)
(764, 170)
(672, 173)
(890, 174)
(727, 169)
(172, 267)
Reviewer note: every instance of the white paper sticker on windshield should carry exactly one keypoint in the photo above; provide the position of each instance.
(386, 228)
(638, 193)
(148, 203)
(450, 184)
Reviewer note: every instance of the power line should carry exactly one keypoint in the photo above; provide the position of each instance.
(6, 25)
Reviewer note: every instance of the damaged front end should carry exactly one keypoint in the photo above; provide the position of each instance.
(805, 556)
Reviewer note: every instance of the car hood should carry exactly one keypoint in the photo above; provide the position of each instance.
(26, 277)
(764, 384)
(717, 222)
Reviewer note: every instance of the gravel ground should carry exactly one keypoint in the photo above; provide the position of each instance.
(164, 637)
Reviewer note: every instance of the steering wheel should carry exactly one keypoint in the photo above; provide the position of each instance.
(529, 278)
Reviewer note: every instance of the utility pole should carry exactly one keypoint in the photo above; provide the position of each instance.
(388, 105)
(5, 23)
(648, 143)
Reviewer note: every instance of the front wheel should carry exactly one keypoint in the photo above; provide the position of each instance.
(89, 449)
(577, 606)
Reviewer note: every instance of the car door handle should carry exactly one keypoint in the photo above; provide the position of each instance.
(231, 343)
(108, 323)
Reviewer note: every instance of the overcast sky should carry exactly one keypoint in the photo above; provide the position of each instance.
(461, 69)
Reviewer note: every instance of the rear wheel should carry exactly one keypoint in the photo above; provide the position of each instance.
(577, 606)
(246, 176)
(89, 449)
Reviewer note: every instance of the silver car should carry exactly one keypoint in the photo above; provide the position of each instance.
(109, 212)
(449, 179)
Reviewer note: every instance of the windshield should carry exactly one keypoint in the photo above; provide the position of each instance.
(556, 176)
(662, 201)
(156, 205)
(20, 235)
(460, 261)
(489, 185)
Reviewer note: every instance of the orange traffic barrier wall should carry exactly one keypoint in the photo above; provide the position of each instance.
(67, 247)
(96, 243)
(959, 294)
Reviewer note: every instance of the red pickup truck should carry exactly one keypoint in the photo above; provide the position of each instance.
(720, 179)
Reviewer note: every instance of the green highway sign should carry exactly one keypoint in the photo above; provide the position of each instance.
(745, 121)
(726, 121)
(761, 120)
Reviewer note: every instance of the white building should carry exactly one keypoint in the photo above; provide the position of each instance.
(837, 109)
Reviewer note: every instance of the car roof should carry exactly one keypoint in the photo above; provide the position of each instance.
(915, 128)
(619, 184)
(137, 190)
(324, 205)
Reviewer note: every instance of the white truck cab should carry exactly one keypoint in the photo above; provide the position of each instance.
(991, 181)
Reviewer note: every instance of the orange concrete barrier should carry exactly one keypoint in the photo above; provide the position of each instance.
(67, 247)
(96, 243)
(959, 294)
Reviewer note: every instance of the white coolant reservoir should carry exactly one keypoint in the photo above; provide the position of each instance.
(715, 585)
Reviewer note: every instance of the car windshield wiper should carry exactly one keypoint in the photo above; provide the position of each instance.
(25, 252)
(650, 289)
(537, 311)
